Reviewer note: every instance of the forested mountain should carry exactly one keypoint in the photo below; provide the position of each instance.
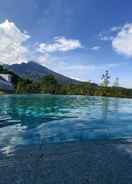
(35, 71)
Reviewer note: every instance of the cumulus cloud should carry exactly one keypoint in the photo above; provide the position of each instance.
(122, 42)
(14, 48)
(12, 39)
(59, 44)
(120, 38)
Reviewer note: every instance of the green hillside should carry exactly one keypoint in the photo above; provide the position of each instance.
(49, 84)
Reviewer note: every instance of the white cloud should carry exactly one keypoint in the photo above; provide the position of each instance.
(115, 28)
(13, 47)
(122, 43)
(60, 44)
(12, 39)
(120, 38)
(105, 37)
(95, 48)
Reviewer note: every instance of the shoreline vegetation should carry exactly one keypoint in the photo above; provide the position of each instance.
(49, 85)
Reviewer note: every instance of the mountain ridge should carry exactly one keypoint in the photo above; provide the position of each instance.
(34, 71)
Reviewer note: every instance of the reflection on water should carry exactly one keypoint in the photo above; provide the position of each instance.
(36, 119)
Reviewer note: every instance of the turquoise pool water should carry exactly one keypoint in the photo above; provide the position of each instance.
(39, 119)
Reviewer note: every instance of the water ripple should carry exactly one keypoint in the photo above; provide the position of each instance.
(36, 119)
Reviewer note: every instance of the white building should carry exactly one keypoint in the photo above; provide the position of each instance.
(6, 77)
(5, 82)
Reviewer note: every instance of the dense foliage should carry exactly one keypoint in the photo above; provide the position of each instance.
(50, 85)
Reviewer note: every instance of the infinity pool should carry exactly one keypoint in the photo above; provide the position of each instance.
(40, 119)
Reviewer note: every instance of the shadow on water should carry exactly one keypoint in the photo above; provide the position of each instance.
(107, 104)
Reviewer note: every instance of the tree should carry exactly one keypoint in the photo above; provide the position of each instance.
(23, 86)
(116, 82)
(48, 84)
(105, 79)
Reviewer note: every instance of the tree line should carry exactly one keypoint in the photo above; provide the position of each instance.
(49, 85)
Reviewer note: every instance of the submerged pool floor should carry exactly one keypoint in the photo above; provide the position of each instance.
(90, 162)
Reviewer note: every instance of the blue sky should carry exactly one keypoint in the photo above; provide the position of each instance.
(78, 38)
